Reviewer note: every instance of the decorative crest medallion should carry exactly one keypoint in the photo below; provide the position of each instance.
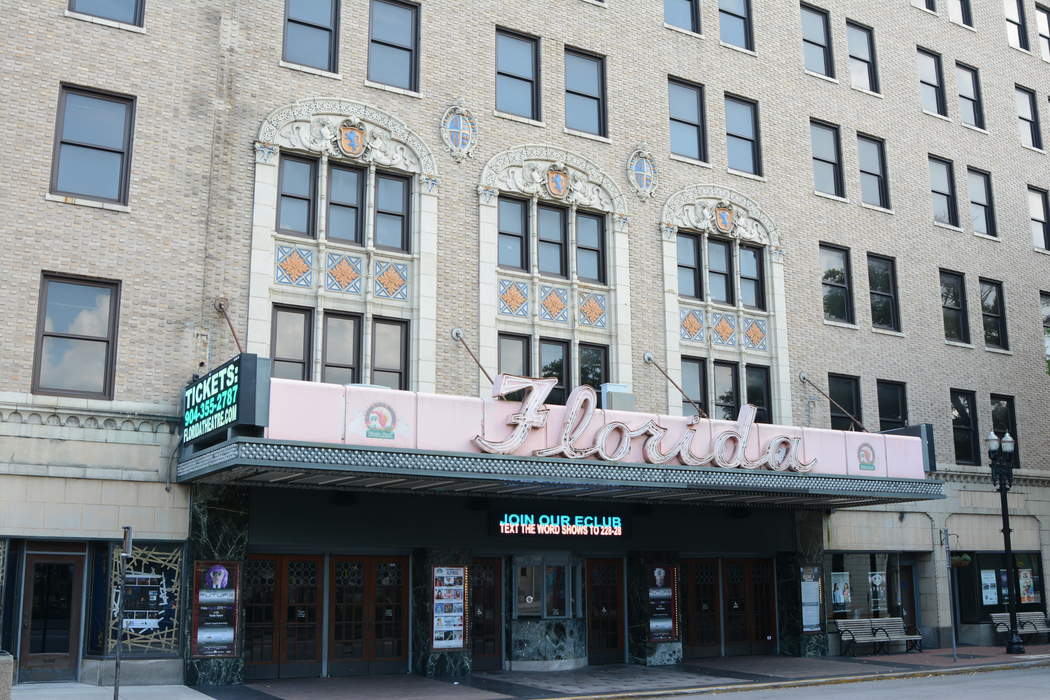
(352, 138)
(725, 217)
(459, 131)
(641, 172)
(558, 180)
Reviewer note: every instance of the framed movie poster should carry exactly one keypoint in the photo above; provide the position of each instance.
(811, 598)
(663, 603)
(216, 593)
(450, 605)
(841, 595)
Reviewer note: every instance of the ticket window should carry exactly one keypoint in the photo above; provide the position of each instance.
(544, 587)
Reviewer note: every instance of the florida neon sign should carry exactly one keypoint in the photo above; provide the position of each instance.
(613, 440)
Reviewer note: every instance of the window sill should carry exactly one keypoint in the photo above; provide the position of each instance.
(105, 22)
(1018, 48)
(876, 207)
(1041, 251)
(690, 161)
(826, 78)
(988, 237)
(864, 91)
(999, 351)
(680, 30)
(585, 135)
(923, 9)
(395, 90)
(749, 176)
(943, 117)
(85, 202)
(887, 331)
(957, 344)
(517, 118)
(950, 227)
(971, 127)
(309, 69)
(596, 3)
(741, 49)
(1033, 148)
(967, 27)
(841, 324)
(833, 197)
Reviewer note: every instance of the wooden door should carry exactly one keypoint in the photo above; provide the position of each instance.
(368, 615)
(605, 613)
(282, 616)
(750, 615)
(486, 603)
(51, 611)
(702, 609)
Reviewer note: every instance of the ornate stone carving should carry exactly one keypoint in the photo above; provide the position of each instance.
(265, 152)
(459, 131)
(315, 124)
(641, 172)
(696, 208)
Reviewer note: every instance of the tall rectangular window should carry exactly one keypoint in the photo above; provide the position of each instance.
(734, 23)
(874, 184)
(844, 391)
(931, 83)
(553, 237)
(960, 12)
(863, 70)
(968, 83)
(291, 342)
(690, 266)
(982, 210)
(694, 382)
(517, 74)
(827, 158)
(759, 393)
(1016, 26)
(513, 233)
(942, 188)
(1042, 23)
(882, 287)
(590, 247)
(742, 137)
(311, 36)
(92, 153)
(393, 45)
(837, 284)
(816, 41)
(1044, 310)
(964, 427)
(341, 359)
(993, 314)
(684, 14)
(1039, 216)
(390, 353)
(554, 362)
(727, 391)
(1004, 420)
(720, 271)
(594, 367)
(392, 212)
(123, 11)
(893, 405)
(297, 185)
(346, 193)
(686, 109)
(1028, 117)
(76, 337)
(515, 354)
(585, 92)
(953, 307)
(752, 278)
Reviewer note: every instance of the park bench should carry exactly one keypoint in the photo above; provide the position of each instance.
(1027, 623)
(891, 629)
(854, 632)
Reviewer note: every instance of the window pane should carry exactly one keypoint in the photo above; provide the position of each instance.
(345, 185)
(73, 365)
(859, 77)
(313, 11)
(825, 177)
(859, 42)
(815, 58)
(940, 180)
(295, 215)
(592, 366)
(515, 56)
(94, 121)
(588, 231)
(880, 275)
(685, 140)
(582, 113)
(758, 392)
(340, 340)
(684, 102)
(389, 230)
(882, 311)
(514, 95)
(394, 24)
(511, 251)
(307, 45)
(582, 74)
(824, 140)
(928, 69)
(390, 66)
(556, 592)
(125, 11)
(77, 309)
(342, 222)
(551, 224)
(740, 118)
(749, 293)
(741, 154)
(834, 264)
(692, 382)
(733, 30)
(296, 177)
(390, 194)
(749, 258)
(687, 282)
(871, 190)
(725, 392)
(551, 258)
(512, 355)
(288, 370)
(718, 255)
(588, 265)
(339, 375)
(290, 335)
(836, 304)
(869, 154)
(388, 346)
(687, 246)
(719, 287)
(511, 216)
(89, 171)
(391, 380)
(679, 13)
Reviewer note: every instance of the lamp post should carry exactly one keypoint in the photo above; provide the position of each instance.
(1001, 455)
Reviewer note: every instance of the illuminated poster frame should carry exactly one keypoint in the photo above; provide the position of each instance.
(662, 587)
(450, 620)
(216, 609)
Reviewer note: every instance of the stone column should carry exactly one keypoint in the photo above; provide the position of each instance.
(642, 649)
(3, 578)
(809, 551)
(426, 660)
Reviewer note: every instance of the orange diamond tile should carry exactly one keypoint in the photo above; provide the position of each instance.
(391, 280)
(513, 298)
(691, 325)
(723, 329)
(553, 304)
(755, 334)
(294, 266)
(591, 310)
(344, 273)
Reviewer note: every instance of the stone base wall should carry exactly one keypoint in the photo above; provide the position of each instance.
(7, 668)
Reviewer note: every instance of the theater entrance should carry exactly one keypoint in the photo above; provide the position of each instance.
(50, 635)
(729, 607)
(486, 613)
(605, 611)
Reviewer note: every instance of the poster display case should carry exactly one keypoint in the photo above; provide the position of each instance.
(450, 605)
(216, 594)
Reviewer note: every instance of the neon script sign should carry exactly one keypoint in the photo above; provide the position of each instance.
(613, 440)
(554, 524)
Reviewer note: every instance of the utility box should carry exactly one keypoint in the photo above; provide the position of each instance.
(617, 397)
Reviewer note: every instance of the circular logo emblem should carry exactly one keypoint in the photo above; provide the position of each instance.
(866, 457)
(380, 421)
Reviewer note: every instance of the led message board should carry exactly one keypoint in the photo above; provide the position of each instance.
(236, 393)
(559, 524)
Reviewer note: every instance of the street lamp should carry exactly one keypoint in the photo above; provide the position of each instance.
(1001, 455)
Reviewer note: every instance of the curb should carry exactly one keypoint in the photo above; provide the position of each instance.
(802, 683)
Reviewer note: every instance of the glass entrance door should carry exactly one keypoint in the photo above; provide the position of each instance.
(282, 614)
(368, 615)
(486, 629)
(750, 616)
(51, 612)
(604, 611)
(702, 635)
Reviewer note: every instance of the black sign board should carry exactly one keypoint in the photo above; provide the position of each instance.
(236, 393)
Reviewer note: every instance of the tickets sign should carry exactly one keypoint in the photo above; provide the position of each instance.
(236, 393)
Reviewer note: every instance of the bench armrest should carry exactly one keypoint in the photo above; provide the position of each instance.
(876, 630)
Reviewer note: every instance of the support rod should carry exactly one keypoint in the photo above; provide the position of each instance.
(457, 334)
(221, 305)
(806, 380)
(649, 359)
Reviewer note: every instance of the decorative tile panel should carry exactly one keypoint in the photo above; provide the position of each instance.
(756, 334)
(592, 311)
(513, 298)
(554, 304)
(343, 274)
(723, 329)
(391, 280)
(294, 266)
(691, 325)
